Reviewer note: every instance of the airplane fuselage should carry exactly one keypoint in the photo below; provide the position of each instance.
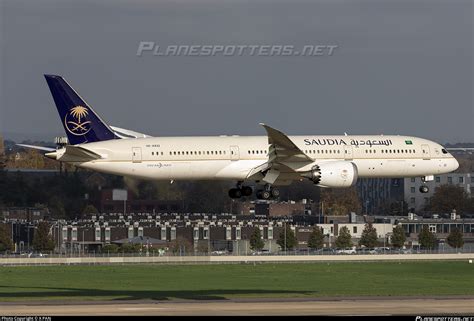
(274, 159)
(234, 157)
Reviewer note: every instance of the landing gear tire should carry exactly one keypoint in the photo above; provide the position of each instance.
(275, 192)
(235, 193)
(263, 195)
(424, 189)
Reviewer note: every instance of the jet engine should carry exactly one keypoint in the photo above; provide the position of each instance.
(333, 174)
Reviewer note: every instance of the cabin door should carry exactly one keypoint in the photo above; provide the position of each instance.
(136, 154)
(234, 153)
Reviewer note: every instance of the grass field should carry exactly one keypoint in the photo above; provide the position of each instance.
(202, 282)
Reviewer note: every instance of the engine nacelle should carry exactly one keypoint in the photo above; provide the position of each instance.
(333, 174)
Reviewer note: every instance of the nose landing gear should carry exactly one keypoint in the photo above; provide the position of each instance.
(423, 188)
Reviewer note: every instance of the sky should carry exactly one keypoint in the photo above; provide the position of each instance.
(399, 67)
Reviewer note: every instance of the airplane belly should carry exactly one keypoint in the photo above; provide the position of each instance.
(397, 167)
(381, 167)
(176, 170)
(201, 170)
(238, 170)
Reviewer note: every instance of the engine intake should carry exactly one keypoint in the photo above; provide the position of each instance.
(333, 174)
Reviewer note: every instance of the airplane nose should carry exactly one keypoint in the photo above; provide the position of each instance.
(455, 164)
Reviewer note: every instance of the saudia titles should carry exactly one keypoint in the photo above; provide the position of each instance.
(353, 142)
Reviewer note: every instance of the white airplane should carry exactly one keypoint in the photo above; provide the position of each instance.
(271, 160)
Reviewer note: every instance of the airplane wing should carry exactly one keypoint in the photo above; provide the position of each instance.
(127, 133)
(282, 151)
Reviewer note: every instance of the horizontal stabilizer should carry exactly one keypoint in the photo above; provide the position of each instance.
(127, 133)
(46, 149)
(76, 154)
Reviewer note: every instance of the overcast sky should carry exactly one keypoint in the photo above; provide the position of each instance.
(401, 67)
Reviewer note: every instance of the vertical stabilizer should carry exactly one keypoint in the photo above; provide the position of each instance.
(81, 123)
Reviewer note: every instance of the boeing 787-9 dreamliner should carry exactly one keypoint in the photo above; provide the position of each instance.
(269, 161)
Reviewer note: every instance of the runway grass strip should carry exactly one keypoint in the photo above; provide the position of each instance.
(213, 282)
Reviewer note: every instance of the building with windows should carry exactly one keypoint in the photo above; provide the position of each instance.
(417, 200)
(224, 232)
(377, 193)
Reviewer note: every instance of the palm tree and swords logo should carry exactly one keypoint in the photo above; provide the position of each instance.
(76, 121)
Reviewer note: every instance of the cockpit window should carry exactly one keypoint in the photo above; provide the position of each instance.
(444, 151)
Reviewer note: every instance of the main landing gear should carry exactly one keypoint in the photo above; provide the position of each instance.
(240, 191)
(268, 192)
(423, 188)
